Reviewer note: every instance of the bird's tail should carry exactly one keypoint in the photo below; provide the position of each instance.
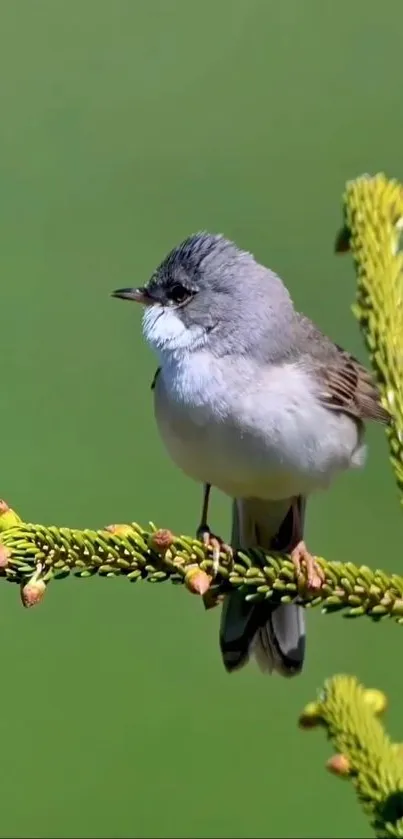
(274, 634)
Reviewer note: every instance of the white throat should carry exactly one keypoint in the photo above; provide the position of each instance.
(167, 334)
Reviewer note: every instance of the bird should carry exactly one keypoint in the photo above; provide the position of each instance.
(253, 399)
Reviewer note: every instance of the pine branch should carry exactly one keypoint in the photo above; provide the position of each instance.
(32, 555)
(364, 752)
(373, 212)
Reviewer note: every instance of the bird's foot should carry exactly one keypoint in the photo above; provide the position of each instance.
(211, 598)
(307, 567)
(216, 545)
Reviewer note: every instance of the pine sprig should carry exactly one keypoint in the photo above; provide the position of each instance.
(30, 551)
(373, 213)
(364, 752)
(373, 220)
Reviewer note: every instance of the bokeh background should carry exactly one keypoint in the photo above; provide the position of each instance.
(125, 126)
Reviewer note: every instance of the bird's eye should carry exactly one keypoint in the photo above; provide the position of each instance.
(178, 293)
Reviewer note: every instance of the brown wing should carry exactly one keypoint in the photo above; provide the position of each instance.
(347, 386)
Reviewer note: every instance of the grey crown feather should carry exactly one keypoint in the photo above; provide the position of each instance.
(194, 252)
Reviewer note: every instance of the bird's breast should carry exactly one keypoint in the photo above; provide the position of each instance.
(250, 431)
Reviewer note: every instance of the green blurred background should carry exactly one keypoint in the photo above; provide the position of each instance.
(125, 126)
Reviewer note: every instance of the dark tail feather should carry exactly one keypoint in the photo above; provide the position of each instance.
(274, 634)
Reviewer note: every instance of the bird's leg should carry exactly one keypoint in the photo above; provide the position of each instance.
(209, 539)
(305, 564)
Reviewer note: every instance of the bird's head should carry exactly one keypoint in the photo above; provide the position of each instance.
(207, 292)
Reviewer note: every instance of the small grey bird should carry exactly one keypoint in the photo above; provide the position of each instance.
(253, 399)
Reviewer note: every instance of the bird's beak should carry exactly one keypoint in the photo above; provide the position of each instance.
(139, 295)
